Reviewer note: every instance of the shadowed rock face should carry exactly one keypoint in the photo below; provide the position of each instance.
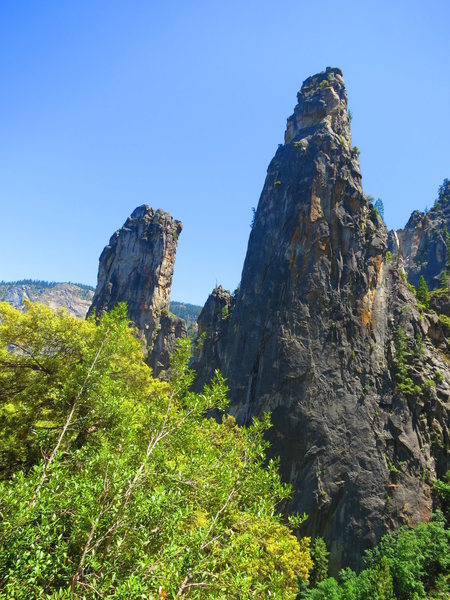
(310, 336)
(423, 242)
(137, 267)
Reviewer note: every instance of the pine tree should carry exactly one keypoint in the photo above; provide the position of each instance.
(319, 554)
(379, 206)
(422, 293)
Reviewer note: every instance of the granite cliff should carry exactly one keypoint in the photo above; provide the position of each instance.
(137, 267)
(325, 333)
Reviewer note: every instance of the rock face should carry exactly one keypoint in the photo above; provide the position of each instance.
(423, 242)
(74, 297)
(137, 267)
(325, 334)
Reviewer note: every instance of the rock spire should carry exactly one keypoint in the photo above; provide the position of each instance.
(314, 335)
(137, 267)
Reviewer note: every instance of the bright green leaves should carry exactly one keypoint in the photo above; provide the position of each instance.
(408, 564)
(137, 490)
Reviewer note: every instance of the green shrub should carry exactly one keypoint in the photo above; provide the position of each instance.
(428, 385)
(438, 375)
(409, 564)
(442, 491)
(419, 350)
(393, 468)
(445, 321)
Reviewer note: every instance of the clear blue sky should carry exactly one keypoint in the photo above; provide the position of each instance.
(106, 105)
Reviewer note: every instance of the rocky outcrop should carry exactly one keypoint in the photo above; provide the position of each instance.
(137, 267)
(213, 334)
(422, 244)
(75, 298)
(325, 334)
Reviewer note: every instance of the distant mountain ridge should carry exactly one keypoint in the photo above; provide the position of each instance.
(188, 312)
(76, 298)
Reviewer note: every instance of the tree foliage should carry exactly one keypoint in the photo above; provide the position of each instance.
(319, 554)
(117, 485)
(422, 292)
(405, 384)
(379, 206)
(407, 565)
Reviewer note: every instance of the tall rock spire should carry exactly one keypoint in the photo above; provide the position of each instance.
(137, 267)
(311, 337)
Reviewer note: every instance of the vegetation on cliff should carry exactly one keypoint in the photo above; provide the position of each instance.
(117, 485)
(407, 565)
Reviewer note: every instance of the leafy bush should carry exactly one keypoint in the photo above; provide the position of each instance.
(445, 321)
(406, 565)
(442, 491)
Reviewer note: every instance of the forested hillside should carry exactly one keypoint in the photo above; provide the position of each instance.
(77, 297)
(188, 312)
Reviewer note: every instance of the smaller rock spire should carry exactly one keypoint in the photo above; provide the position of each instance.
(136, 267)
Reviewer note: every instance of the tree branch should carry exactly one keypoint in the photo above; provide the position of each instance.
(66, 425)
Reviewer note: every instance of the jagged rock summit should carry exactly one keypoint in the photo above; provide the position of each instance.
(325, 334)
(137, 267)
